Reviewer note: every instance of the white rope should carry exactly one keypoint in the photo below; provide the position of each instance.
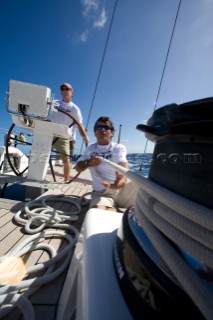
(187, 226)
(20, 301)
(165, 215)
(192, 246)
(197, 289)
(188, 208)
(45, 215)
(30, 244)
(39, 215)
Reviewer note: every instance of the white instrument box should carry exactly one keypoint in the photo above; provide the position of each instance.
(28, 99)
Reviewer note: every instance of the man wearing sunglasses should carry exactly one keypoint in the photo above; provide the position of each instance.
(65, 147)
(111, 190)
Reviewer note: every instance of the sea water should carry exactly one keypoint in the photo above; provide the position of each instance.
(140, 163)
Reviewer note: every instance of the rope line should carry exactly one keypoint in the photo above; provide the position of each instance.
(35, 216)
(167, 55)
(163, 73)
(169, 218)
(101, 67)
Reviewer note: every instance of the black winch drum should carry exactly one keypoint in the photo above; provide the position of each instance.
(183, 155)
(182, 162)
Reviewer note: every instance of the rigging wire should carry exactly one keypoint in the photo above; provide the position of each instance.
(101, 67)
(167, 55)
(162, 76)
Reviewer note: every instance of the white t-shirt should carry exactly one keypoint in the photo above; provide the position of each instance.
(59, 117)
(114, 152)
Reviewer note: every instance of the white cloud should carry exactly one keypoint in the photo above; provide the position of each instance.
(84, 36)
(89, 6)
(94, 14)
(94, 10)
(102, 19)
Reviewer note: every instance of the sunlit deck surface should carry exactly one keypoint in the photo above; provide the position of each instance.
(47, 300)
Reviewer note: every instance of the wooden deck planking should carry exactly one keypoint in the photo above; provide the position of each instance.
(13, 237)
(45, 299)
(3, 212)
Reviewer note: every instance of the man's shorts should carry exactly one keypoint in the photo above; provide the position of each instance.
(62, 146)
(120, 198)
(72, 148)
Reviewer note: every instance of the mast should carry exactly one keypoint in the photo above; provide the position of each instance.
(119, 133)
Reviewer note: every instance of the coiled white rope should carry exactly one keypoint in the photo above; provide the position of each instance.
(45, 216)
(41, 215)
(165, 215)
(21, 302)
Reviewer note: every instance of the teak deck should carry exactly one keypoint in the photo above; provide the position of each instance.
(45, 300)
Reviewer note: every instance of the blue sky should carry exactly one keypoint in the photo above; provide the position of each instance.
(54, 41)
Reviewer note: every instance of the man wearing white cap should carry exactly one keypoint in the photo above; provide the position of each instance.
(64, 146)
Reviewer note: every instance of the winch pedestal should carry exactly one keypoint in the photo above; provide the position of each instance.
(43, 133)
(30, 106)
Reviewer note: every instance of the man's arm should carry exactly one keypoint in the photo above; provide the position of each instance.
(120, 180)
(78, 117)
(82, 132)
(83, 165)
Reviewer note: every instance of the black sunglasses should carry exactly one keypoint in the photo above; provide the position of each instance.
(103, 126)
(65, 89)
